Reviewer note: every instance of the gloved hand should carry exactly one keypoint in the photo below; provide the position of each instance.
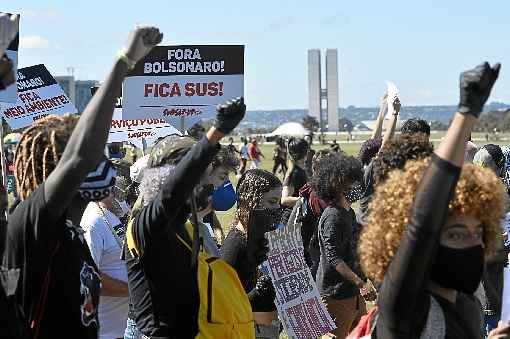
(259, 254)
(141, 41)
(229, 115)
(265, 287)
(475, 88)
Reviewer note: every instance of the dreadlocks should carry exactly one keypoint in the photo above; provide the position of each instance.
(39, 150)
(250, 190)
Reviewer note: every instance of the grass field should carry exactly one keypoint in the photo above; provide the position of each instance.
(351, 148)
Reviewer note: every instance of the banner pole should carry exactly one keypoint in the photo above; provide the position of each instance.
(183, 125)
(144, 147)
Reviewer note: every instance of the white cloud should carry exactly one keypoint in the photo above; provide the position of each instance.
(424, 93)
(33, 41)
(42, 14)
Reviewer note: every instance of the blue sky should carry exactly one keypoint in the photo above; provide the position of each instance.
(420, 45)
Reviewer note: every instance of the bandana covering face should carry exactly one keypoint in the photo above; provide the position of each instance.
(355, 193)
(224, 197)
(99, 182)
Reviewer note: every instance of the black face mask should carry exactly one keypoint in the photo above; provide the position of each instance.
(459, 269)
(276, 215)
(355, 193)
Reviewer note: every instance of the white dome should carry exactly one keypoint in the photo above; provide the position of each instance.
(290, 129)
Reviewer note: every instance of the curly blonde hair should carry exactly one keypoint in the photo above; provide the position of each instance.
(479, 193)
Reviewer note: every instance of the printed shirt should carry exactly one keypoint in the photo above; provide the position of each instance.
(39, 243)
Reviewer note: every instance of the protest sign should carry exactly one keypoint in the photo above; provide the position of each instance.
(135, 130)
(39, 95)
(297, 298)
(9, 94)
(174, 82)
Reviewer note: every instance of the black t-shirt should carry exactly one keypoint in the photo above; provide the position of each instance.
(404, 299)
(335, 242)
(162, 285)
(234, 253)
(296, 179)
(33, 234)
(368, 184)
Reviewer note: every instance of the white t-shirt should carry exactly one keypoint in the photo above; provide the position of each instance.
(106, 253)
(244, 151)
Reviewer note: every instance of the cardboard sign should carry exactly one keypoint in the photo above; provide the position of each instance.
(175, 82)
(297, 298)
(9, 94)
(135, 130)
(39, 95)
(138, 129)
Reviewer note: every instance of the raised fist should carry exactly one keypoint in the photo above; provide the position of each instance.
(8, 30)
(141, 41)
(229, 115)
(475, 88)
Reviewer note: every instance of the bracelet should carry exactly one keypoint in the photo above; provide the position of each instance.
(121, 55)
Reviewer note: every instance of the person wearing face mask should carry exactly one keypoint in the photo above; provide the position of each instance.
(430, 229)
(296, 176)
(335, 180)
(104, 233)
(163, 284)
(59, 283)
(256, 189)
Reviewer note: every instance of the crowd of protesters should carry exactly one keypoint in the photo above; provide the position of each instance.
(98, 247)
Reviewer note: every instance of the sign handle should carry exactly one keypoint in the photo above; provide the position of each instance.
(183, 125)
(144, 146)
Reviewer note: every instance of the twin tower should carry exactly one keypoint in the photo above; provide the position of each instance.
(316, 94)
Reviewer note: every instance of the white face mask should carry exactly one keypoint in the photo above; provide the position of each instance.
(124, 207)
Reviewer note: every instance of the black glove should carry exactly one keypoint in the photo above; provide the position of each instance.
(229, 115)
(259, 254)
(475, 88)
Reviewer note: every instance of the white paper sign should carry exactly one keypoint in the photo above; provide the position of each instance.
(183, 81)
(134, 130)
(505, 309)
(297, 298)
(9, 94)
(39, 95)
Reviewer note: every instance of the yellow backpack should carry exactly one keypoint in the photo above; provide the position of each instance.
(224, 311)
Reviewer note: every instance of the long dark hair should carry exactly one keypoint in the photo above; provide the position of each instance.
(251, 187)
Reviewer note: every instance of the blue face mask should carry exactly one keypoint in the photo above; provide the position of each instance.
(224, 197)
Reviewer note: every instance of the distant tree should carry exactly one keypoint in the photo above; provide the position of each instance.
(311, 124)
(345, 125)
(438, 126)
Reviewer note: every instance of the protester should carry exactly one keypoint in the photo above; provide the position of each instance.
(296, 177)
(335, 180)
(165, 293)
(256, 189)
(429, 228)
(491, 156)
(231, 147)
(311, 207)
(243, 152)
(335, 147)
(471, 150)
(415, 126)
(254, 153)
(368, 170)
(59, 282)
(104, 233)
(280, 157)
